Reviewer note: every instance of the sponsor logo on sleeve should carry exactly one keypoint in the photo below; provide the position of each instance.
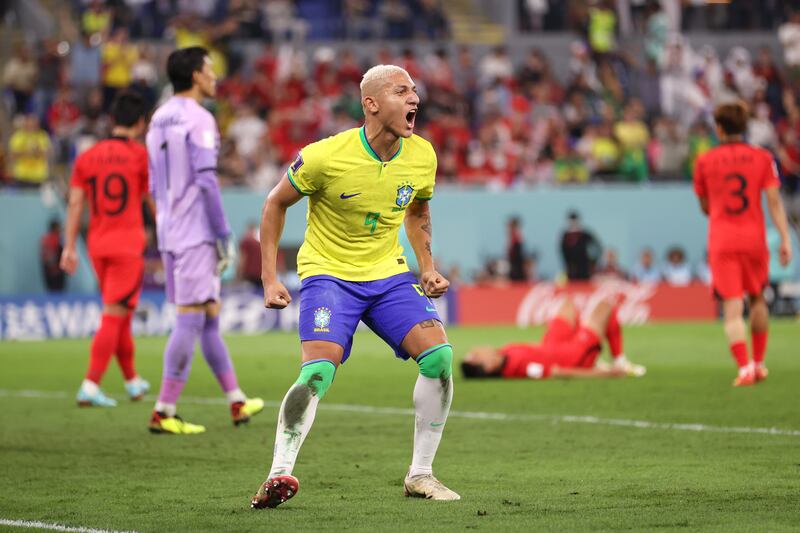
(298, 162)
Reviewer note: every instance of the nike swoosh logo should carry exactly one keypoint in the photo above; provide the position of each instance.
(344, 196)
(435, 425)
(430, 309)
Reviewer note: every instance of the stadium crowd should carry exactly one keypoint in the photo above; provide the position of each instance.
(615, 117)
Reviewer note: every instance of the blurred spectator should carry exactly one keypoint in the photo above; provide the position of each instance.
(63, 120)
(516, 251)
(144, 75)
(50, 64)
(602, 29)
(656, 33)
(701, 139)
(20, 75)
(610, 267)
(580, 250)
(431, 20)
(645, 270)
(668, 150)
(397, 19)
(633, 137)
(495, 66)
(119, 57)
(249, 267)
(85, 65)
(97, 19)
(676, 270)
(789, 36)
(29, 150)
(760, 129)
(569, 166)
(247, 130)
(50, 248)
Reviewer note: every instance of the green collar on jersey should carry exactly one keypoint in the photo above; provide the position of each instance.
(362, 133)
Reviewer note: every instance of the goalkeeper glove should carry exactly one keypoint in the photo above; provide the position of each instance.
(226, 253)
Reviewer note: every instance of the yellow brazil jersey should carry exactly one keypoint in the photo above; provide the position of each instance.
(357, 204)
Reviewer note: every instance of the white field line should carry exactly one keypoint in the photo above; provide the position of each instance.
(35, 524)
(475, 415)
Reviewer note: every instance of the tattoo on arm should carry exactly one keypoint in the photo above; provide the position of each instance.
(426, 225)
(428, 323)
(428, 247)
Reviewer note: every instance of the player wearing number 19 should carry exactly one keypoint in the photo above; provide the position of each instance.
(362, 185)
(193, 237)
(112, 175)
(729, 181)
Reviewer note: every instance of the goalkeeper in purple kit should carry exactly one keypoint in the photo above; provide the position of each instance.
(193, 237)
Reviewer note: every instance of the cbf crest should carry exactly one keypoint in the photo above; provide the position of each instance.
(322, 319)
(404, 194)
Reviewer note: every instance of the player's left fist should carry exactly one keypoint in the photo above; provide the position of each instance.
(69, 260)
(434, 283)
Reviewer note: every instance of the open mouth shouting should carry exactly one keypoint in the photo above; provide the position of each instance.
(410, 117)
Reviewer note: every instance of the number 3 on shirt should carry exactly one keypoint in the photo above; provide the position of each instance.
(739, 194)
(372, 220)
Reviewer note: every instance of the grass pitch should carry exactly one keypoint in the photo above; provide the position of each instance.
(100, 468)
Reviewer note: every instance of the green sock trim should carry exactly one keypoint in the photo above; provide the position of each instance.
(436, 362)
(317, 375)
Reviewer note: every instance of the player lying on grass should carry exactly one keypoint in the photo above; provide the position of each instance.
(193, 236)
(111, 177)
(569, 349)
(362, 184)
(729, 181)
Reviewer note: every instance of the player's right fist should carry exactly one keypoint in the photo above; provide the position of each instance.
(276, 296)
(69, 261)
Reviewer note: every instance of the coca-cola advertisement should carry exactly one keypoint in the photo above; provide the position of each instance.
(639, 303)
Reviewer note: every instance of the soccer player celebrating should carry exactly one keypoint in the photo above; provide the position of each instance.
(362, 185)
(729, 180)
(112, 177)
(569, 349)
(193, 236)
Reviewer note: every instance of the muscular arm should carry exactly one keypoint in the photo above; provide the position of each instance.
(69, 256)
(420, 231)
(778, 215)
(273, 217)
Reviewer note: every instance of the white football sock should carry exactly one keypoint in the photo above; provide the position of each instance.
(168, 409)
(432, 399)
(298, 409)
(236, 395)
(90, 387)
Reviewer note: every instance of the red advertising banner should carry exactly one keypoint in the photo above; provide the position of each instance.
(525, 305)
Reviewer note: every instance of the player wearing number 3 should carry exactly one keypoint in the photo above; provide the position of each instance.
(729, 181)
(362, 185)
(193, 237)
(112, 176)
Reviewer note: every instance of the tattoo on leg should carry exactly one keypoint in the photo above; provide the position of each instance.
(428, 323)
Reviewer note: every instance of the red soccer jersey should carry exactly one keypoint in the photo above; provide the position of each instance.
(113, 176)
(731, 177)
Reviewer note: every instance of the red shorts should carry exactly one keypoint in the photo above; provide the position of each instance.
(734, 274)
(120, 279)
(571, 346)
